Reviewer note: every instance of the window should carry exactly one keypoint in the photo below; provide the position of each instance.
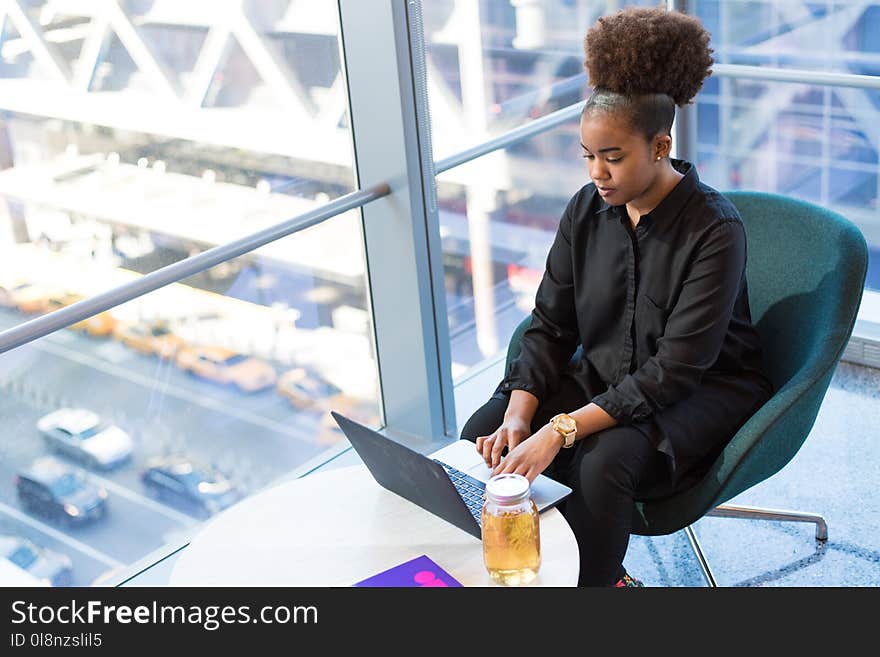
(497, 222)
(818, 143)
(151, 135)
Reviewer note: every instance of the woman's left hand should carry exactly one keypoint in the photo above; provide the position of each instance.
(531, 457)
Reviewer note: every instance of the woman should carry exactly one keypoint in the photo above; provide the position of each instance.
(647, 274)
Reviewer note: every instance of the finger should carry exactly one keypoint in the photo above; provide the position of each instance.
(479, 442)
(487, 449)
(505, 466)
(497, 447)
(527, 471)
(533, 474)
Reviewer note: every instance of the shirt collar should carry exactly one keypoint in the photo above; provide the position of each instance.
(670, 206)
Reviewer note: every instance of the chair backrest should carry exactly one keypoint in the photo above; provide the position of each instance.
(806, 271)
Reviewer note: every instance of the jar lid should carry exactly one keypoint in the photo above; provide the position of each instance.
(507, 488)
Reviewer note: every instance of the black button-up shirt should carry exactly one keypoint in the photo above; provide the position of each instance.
(659, 310)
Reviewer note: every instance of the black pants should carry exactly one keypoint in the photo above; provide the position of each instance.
(606, 470)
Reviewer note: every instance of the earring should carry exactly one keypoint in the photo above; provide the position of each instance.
(658, 158)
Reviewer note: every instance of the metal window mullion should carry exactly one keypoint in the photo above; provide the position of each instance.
(825, 172)
(386, 94)
(685, 128)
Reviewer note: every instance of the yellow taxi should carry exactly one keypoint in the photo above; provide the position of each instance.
(307, 390)
(99, 326)
(228, 367)
(149, 338)
(40, 299)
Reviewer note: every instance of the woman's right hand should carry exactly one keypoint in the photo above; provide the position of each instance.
(511, 433)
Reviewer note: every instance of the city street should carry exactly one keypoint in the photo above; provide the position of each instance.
(253, 438)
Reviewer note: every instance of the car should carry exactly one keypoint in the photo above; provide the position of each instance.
(306, 389)
(52, 489)
(228, 367)
(39, 300)
(99, 326)
(190, 485)
(10, 290)
(52, 567)
(18, 293)
(82, 434)
(149, 338)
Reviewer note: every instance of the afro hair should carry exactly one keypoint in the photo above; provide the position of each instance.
(641, 50)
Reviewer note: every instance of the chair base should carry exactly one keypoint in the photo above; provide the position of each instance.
(754, 513)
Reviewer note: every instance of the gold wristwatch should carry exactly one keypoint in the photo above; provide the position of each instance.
(566, 427)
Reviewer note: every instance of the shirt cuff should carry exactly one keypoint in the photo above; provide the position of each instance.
(508, 386)
(607, 405)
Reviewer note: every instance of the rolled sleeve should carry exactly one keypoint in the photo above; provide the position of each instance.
(694, 334)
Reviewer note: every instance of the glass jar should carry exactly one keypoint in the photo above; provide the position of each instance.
(511, 530)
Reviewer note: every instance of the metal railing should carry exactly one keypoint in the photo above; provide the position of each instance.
(41, 326)
(550, 121)
(511, 137)
(821, 78)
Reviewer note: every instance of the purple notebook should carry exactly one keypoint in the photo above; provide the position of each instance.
(421, 571)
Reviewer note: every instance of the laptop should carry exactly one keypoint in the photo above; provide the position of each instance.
(450, 483)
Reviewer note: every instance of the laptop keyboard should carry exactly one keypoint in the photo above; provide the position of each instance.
(471, 490)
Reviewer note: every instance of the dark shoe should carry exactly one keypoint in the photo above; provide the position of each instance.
(626, 581)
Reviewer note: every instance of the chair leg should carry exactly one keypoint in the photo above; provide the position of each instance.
(701, 558)
(755, 513)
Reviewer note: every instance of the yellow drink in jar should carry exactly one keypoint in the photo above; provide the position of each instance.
(511, 531)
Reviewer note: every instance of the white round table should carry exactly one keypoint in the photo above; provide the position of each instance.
(338, 527)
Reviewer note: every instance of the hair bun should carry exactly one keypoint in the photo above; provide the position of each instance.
(641, 50)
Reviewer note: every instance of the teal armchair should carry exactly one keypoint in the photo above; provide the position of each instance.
(806, 273)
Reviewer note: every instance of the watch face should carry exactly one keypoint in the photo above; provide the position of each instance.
(566, 423)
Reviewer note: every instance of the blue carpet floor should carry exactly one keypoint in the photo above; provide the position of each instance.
(836, 474)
